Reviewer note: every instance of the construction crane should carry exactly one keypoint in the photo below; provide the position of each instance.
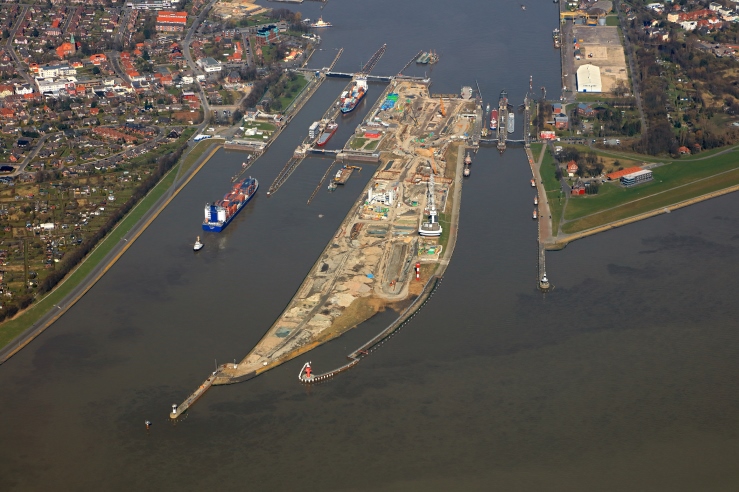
(442, 109)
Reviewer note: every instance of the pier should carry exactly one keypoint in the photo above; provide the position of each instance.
(178, 410)
(544, 222)
(378, 340)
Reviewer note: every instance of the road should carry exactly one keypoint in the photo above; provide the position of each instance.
(114, 62)
(18, 66)
(188, 55)
(634, 74)
(31, 154)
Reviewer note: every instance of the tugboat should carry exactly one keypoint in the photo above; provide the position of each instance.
(466, 171)
(536, 199)
(467, 160)
(534, 215)
(533, 183)
(320, 23)
(198, 245)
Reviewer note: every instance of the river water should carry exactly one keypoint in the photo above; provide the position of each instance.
(622, 378)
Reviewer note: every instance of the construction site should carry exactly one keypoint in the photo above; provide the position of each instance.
(392, 240)
(601, 46)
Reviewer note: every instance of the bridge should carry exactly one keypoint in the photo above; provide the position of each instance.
(492, 141)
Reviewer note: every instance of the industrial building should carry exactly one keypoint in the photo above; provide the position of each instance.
(636, 178)
(588, 78)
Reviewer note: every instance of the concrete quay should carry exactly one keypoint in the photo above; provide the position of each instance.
(544, 221)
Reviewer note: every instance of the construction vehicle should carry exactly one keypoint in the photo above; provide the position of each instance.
(442, 109)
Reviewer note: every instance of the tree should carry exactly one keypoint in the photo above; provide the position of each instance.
(96, 70)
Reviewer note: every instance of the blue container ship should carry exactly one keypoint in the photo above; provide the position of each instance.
(219, 214)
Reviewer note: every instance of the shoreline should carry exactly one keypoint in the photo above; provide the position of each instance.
(560, 243)
(87, 282)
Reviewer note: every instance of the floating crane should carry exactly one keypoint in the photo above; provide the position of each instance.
(442, 109)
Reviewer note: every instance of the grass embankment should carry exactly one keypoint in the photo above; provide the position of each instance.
(196, 153)
(672, 183)
(445, 219)
(552, 186)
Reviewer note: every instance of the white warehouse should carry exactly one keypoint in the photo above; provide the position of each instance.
(588, 79)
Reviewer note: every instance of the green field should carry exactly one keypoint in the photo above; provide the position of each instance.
(260, 125)
(357, 143)
(551, 185)
(675, 182)
(612, 20)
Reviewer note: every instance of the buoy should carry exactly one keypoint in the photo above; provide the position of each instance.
(148, 424)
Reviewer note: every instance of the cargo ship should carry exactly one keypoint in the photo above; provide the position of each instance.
(320, 23)
(219, 214)
(494, 119)
(511, 122)
(351, 98)
(327, 133)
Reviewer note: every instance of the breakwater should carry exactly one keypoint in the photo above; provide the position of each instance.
(375, 342)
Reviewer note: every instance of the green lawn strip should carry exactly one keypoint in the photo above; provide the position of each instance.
(547, 171)
(555, 207)
(372, 145)
(263, 126)
(612, 20)
(357, 143)
(665, 178)
(196, 153)
(12, 328)
(536, 150)
(584, 149)
(654, 202)
(445, 226)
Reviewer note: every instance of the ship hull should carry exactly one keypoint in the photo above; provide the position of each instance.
(209, 226)
(325, 137)
(352, 107)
